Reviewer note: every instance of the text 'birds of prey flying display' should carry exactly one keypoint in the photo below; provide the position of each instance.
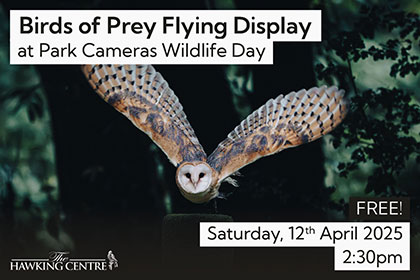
(144, 97)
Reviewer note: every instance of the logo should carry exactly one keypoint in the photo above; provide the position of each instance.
(60, 261)
(112, 261)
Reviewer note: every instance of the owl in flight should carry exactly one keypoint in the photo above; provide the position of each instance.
(144, 97)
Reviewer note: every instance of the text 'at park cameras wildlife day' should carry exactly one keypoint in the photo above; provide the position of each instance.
(288, 140)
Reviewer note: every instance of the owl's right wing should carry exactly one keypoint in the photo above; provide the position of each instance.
(144, 97)
(287, 121)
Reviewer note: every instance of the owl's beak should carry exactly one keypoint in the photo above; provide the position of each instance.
(194, 180)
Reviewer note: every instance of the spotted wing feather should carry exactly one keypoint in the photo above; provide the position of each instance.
(283, 122)
(144, 97)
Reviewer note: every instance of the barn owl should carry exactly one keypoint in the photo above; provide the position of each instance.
(144, 97)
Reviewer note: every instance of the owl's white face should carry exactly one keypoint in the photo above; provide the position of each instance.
(194, 181)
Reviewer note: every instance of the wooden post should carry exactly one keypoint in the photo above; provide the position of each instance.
(180, 242)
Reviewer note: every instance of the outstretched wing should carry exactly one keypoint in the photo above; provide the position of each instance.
(284, 122)
(144, 97)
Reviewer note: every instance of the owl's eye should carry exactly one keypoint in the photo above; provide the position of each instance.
(201, 175)
(188, 175)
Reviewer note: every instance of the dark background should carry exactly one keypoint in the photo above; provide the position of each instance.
(110, 196)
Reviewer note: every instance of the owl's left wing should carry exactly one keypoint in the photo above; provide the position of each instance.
(144, 97)
(284, 122)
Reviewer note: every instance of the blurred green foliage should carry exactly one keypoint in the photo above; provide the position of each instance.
(29, 209)
(382, 125)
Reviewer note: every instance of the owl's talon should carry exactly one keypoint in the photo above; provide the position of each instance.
(224, 195)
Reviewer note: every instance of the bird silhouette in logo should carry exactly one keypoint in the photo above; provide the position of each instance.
(112, 260)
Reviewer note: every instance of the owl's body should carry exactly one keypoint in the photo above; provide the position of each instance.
(144, 97)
